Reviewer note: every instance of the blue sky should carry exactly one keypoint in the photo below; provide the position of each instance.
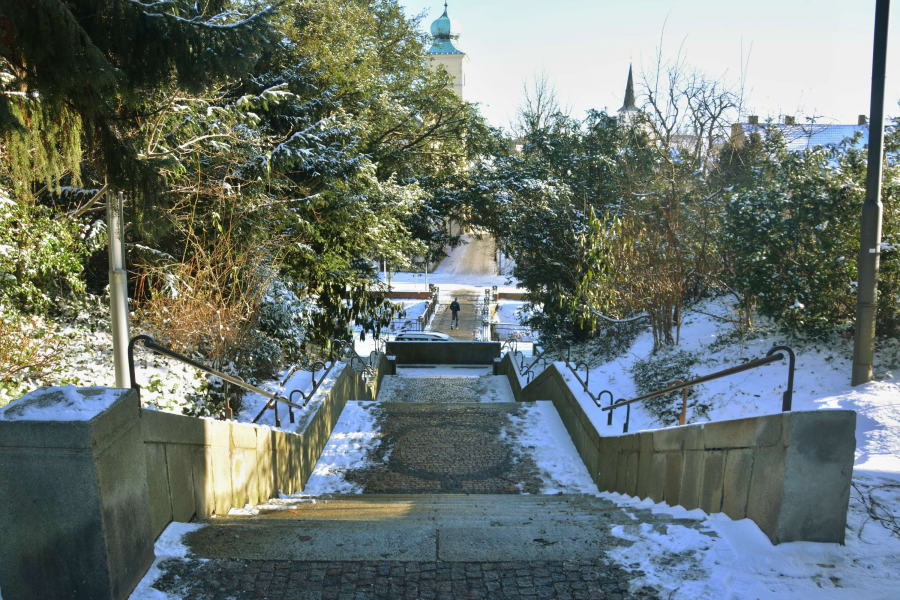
(808, 57)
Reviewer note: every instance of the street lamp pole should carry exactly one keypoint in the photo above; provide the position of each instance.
(870, 226)
(118, 288)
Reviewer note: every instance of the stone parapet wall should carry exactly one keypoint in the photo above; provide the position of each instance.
(74, 516)
(789, 472)
(203, 467)
(444, 353)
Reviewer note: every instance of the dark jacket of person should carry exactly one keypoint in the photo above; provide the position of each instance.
(454, 307)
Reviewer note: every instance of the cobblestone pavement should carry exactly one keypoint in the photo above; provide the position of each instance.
(487, 388)
(221, 579)
(446, 448)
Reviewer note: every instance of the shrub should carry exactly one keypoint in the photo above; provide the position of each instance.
(792, 232)
(208, 307)
(29, 349)
(658, 371)
(40, 257)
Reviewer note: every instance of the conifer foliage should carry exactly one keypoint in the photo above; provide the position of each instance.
(78, 77)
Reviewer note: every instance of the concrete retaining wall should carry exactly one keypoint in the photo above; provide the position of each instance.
(204, 467)
(444, 353)
(788, 472)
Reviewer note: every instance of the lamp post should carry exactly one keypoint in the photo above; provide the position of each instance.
(118, 288)
(870, 226)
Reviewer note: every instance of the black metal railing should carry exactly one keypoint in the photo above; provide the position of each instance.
(776, 354)
(365, 367)
(151, 345)
(500, 332)
(305, 396)
(542, 356)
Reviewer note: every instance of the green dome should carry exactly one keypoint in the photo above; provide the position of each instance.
(445, 27)
(445, 31)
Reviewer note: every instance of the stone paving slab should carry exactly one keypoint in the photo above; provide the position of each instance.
(272, 540)
(539, 542)
(221, 579)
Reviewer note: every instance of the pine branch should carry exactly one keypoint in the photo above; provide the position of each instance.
(210, 22)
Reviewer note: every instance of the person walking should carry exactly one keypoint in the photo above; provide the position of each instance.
(454, 313)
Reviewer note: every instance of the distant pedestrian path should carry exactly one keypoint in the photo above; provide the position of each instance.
(474, 257)
(469, 315)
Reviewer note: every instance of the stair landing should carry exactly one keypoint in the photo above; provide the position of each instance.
(474, 448)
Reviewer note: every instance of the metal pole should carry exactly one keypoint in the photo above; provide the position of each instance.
(118, 289)
(870, 229)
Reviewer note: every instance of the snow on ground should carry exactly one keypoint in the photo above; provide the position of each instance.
(508, 311)
(253, 403)
(821, 381)
(168, 546)
(414, 307)
(541, 431)
(742, 563)
(474, 256)
(738, 562)
(87, 361)
(414, 282)
(471, 263)
(353, 436)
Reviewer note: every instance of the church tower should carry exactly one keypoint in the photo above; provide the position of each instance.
(629, 110)
(443, 51)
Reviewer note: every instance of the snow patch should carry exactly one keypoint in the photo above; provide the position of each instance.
(719, 558)
(542, 433)
(168, 546)
(353, 437)
(67, 403)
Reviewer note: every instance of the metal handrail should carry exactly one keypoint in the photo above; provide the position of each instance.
(429, 310)
(151, 345)
(771, 357)
(307, 396)
(344, 347)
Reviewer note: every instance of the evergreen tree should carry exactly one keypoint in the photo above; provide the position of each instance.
(79, 78)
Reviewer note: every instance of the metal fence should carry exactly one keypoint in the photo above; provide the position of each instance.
(502, 332)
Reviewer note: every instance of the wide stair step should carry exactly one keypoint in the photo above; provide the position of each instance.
(454, 528)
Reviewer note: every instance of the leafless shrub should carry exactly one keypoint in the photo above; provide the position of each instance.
(29, 347)
(877, 509)
(207, 304)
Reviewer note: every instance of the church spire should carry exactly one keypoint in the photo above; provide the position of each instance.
(629, 105)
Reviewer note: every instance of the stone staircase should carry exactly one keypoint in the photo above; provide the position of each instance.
(450, 508)
(418, 546)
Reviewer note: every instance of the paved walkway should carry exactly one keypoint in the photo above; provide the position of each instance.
(469, 317)
(440, 448)
(474, 257)
(383, 580)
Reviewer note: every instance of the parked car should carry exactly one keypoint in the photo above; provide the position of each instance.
(422, 336)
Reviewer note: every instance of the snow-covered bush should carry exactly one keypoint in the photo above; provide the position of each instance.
(792, 235)
(40, 256)
(29, 349)
(658, 371)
